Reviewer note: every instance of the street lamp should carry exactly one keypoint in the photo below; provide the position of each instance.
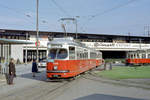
(37, 29)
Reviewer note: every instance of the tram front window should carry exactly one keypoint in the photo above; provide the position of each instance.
(52, 53)
(62, 54)
(57, 53)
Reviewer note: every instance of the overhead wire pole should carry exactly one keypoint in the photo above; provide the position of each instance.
(76, 29)
(37, 29)
(73, 19)
(63, 26)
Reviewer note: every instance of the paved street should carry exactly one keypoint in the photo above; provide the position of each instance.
(87, 89)
(83, 88)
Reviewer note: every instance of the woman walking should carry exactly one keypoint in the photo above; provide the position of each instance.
(34, 68)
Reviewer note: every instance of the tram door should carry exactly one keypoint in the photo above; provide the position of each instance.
(31, 54)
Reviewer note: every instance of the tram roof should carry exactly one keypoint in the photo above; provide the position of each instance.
(68, 41)
(14, 41)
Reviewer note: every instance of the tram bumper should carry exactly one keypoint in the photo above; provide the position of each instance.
(57, 73)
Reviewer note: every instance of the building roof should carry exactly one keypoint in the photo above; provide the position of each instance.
(98, 34)
(14, 41)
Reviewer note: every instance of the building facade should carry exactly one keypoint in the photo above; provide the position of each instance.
(110, 45)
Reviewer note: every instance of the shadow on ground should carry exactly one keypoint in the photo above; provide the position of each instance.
(41, 76)
(105, 97)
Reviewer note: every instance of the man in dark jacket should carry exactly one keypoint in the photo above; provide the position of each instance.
(12, 71)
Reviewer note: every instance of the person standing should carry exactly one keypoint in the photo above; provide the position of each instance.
(12, 72)
(34, 68)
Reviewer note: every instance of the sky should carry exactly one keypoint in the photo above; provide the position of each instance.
(93, 16)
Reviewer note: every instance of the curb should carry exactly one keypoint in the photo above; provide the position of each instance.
(2, 82)
(118, 82)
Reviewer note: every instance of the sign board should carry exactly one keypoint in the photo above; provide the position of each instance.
(102, 45)
(38, 43)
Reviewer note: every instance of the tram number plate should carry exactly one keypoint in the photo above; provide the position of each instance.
(55, 75)
(50, 60)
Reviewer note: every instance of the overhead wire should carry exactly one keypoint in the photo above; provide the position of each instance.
(114, 8)
(60, 8)
(16, 11)
(109, 10)
(20, 11)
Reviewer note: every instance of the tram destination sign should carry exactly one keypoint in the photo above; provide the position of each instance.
(56, 45)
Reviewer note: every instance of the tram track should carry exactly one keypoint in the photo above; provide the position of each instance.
(40, 91)
(91, 76)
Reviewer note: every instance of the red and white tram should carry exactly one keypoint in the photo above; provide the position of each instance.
(68, 58)
(138, 57)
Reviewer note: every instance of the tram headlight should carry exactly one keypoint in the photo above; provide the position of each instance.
(55, 67)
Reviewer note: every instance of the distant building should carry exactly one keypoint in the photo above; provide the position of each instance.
(112, 46)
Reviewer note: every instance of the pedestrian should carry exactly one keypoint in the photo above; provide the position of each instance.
(12, 72)
(34, 67)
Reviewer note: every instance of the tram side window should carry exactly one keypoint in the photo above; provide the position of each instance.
(148, 55)
(98, 55)
(134, 55)
(86, 55)
(138, 56)
(71, 52)
(78, 55)
(81, 55)
(128, 55)
(131, 55)
(92, 55)
(143, 55)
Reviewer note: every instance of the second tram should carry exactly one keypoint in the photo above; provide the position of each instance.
(138, 57)
(68, 58)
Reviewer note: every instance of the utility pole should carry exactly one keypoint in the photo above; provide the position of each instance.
(76, 29)
(37, 29)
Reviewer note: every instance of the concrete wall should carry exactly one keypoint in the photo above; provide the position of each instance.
(17, 52)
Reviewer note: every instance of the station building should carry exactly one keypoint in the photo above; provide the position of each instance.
(112, 46)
